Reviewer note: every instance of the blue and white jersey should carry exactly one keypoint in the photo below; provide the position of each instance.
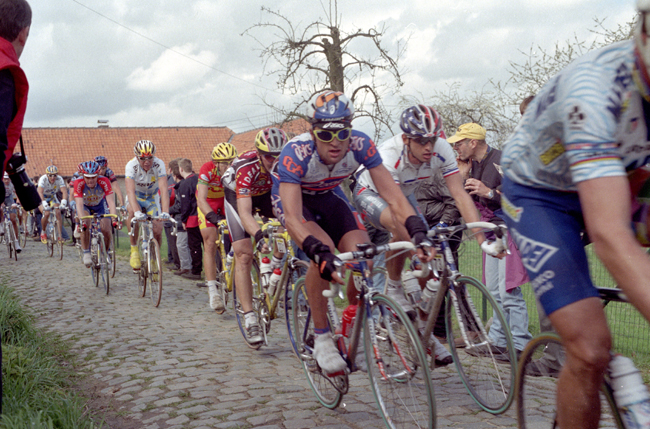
(146, 182)
(50, 189)
(299, 163)
(407, 175)
(588, 121)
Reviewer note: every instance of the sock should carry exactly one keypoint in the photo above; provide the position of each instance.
(394, 284)
(211, 283)
(321, 331)
(134, 249)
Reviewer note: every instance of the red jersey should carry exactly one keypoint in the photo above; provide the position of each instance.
(92, 196)
(250, 179)
(209, 176)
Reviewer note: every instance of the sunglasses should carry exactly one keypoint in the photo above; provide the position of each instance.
(269, 158)
(328, 136)
(51, 175)
(424, 140)
(145, 158)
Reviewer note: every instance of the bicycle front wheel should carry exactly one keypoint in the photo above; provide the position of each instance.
(142, 272)
(239, 309)
(111, 254)
(102, 261)
(59, 244)
(295, 278)
(324, 387)
(155, 272)
(488, 372)
(22, 236)
(94, 267)
(397, 367)
(51, 236)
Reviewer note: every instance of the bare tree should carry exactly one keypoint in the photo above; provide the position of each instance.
(321, 55)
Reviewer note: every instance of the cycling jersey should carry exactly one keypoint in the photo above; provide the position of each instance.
(395, 158)
(299, 163)
(209, 176)
(146, 182)
(92, 196)
(587, 122)
(110, 175)
(50, 189)
(246, 176)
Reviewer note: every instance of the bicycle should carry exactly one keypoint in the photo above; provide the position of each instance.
(268, 298)
(150, 262)
(536, 395)
(101, 258)
(469, 311)
(52, 233)
(121, 215)
(396, 363)
(22, 226)
(10, 236)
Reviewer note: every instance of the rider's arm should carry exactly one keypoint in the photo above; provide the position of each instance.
(202, 198)
(605, 205)
(118, 192)
(464, 202)
(291, 196)
(79, 203)
(164, 195)
(41, 192)
(130, 193)
(245, 211)
(64, 192)
(391, 193)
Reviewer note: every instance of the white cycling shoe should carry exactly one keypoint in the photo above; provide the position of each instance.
(327, 355)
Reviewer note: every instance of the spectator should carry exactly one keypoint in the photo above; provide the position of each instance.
(172, 260)
(184, 264)
(501, 276)
(189, 217)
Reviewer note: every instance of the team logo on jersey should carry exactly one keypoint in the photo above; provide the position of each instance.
(533, 253)
(576, 118)
(552, 153)
(302, 151)
(511, 210)
(542, 283)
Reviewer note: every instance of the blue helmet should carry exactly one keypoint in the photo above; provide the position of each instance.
(102, 161)
(421, 121)
(330, 106)
(89, 168)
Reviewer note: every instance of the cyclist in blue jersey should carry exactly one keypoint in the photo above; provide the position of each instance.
(566, 168)
(110, 175)
(308, 201)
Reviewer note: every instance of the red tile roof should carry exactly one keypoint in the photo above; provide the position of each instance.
(67, 147)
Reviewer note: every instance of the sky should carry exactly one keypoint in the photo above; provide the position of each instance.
(160, 63)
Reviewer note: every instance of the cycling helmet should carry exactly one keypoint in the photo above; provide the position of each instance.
(421, 121)
(144, 148)
(102, 161)
(270, 141)
(76, 175)
(224, 152)
(52, 170)
(89, 168)
(330, 106)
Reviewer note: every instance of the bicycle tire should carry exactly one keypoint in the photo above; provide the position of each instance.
(397, 367)
(155, 272)
(142, 272)
(111, 252)
(102, 262)
(95, 263)
(289, 286)
(489, 379)
(50, 239)
(59, 244)
(239, 312)
(10, 238)
(322, 385)
(22, 236)
(536, 395)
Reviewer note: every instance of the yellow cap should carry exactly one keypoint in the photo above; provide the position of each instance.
(468, 131)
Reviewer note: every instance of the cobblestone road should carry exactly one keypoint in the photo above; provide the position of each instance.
(184, 366)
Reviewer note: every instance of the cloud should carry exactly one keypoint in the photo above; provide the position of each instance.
(175, 69)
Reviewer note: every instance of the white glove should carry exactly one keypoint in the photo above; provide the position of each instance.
(139, 215)
(63, 204)
(493, 248)
(164, 216)
(45, 205)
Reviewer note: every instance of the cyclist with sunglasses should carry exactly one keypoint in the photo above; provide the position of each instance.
(144, 175)
(48, 185)
(110, 175)
(247, 186)
(308, 200)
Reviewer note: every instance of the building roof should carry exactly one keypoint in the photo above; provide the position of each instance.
(67, 147)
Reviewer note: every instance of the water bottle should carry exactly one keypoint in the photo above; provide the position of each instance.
(77, 233)
(265, 266)
(94, 241)
(412, 288)
(347, 320)
(429, 293)
(275, 279)
(229, 258)
(632, 397)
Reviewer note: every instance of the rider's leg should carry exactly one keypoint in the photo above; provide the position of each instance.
(107, 231)
(59, 221)
(586, 338)
(243, 263)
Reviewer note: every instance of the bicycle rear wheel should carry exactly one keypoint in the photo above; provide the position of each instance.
(397, 367)
(239, 310)
(487, 372)
(155, 272)
(323, 386)
(102, 261)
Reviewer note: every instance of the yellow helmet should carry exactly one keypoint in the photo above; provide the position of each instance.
(224, 152)
(144, 148)
(52, 170)
(270, 141)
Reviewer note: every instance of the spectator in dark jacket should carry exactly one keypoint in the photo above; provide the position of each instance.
(189, 217)
(173, 261)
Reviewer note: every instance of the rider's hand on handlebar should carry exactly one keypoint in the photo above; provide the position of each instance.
(417, 229)
(320, 253)
(139, 215)
(494, 248)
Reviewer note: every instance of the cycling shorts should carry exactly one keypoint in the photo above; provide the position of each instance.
(546, 226)
(149, 204)
(100, 209)
(330, 210)
(217, 207)
(261, 205)
(370, 205)
(51, 201)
